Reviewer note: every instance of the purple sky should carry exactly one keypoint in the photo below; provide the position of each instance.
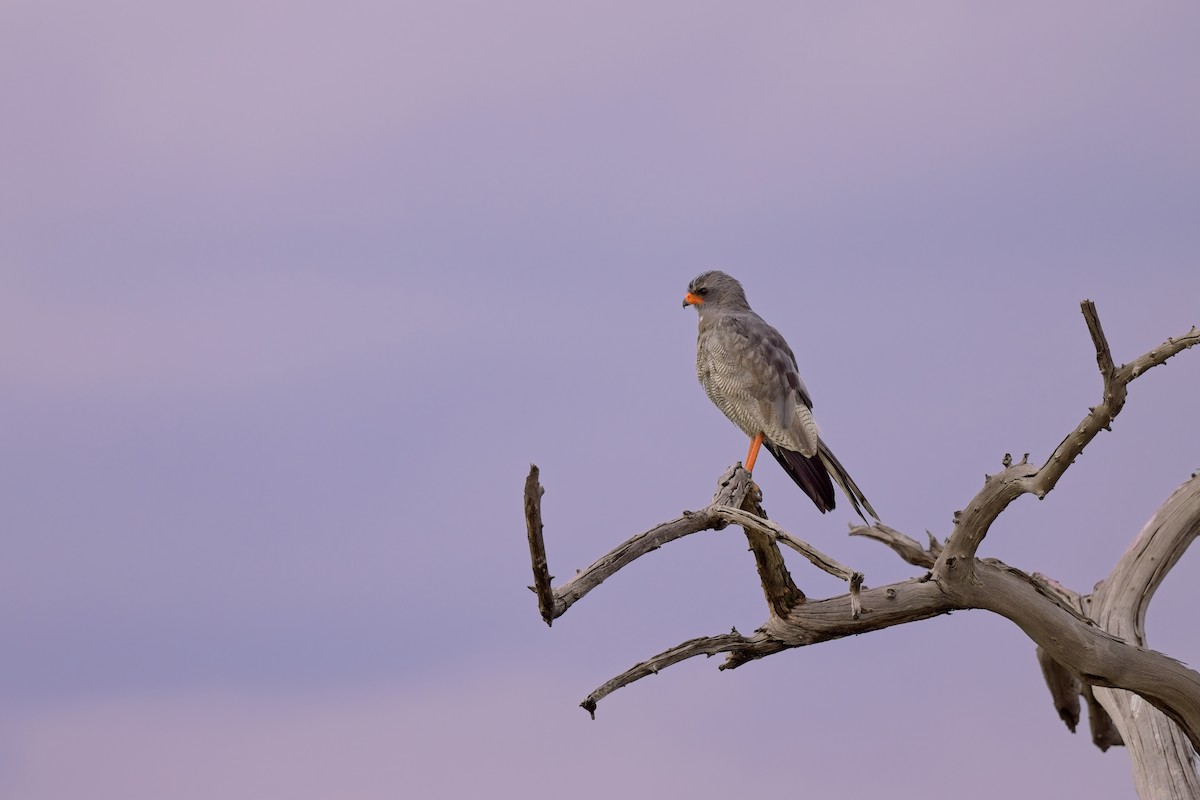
(291, 294)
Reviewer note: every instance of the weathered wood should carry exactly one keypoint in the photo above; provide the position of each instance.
(818, 559)
(779, 589)
(537, 545)
(1104, 733)
(732, 488)
(1064, 688)
(820, 621)
(808, 623)
(629, 551)
(1090, 646)
(904, 545)
(703, 646)
(1162, 759)
(999, 490)
(1098, 657)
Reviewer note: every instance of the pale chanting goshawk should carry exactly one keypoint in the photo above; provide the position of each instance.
(750, 373)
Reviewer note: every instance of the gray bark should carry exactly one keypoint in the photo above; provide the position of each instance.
(1162, 759)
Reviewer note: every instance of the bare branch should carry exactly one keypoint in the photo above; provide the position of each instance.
(1068, 597)
(974, 522)
(905, 546)
(883, 607)
(1070, 639)
(1076, 654)
(935, 547)
(1116, 380)
(629, 551)
(1098, 657)
(856, 582)
(1104, 359)
(537, 545)
(1159, 355)
(808, 623)
(1104, 733)
(732, 488)
(1119, 605)
(704, 646)
(1064, 688)
(766, 526)
(780, 590)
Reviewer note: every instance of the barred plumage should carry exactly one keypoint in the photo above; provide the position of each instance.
(750, 373)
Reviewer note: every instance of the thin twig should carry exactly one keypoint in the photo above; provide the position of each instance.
(703, 646)
(818, 559)
(905, 546)
(626, 553)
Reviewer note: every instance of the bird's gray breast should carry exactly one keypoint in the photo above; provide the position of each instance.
(733, 377)
(749, 372)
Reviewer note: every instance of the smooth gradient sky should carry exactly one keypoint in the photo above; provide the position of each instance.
(291, 294)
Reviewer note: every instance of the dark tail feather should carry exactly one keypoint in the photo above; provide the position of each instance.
(808, 473)
(817, 475)
(843, 479)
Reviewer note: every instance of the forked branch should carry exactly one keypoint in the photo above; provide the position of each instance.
(1076, 653)
(999, 490)
(1119, 606)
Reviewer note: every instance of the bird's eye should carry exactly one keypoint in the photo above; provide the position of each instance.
(703, 290)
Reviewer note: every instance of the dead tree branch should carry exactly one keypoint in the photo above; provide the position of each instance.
(905, 546)
(780, 591)
(537, 545)
(1076, 653)
(1064, 687)
(999, 490)
(808, 623)
(733, 642)
(1104, 732)
(731, 488)
(1119, 606)
(778, 534)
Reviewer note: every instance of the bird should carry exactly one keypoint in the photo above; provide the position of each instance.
(749, 372)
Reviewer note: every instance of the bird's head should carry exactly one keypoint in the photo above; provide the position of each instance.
(715, 289)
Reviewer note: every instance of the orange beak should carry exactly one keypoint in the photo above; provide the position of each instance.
(690, 299)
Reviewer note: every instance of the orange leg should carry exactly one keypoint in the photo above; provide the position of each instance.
(752, 456)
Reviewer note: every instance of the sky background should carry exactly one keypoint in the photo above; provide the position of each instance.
(291, 295)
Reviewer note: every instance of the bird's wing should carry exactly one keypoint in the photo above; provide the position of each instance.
(766, 369)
